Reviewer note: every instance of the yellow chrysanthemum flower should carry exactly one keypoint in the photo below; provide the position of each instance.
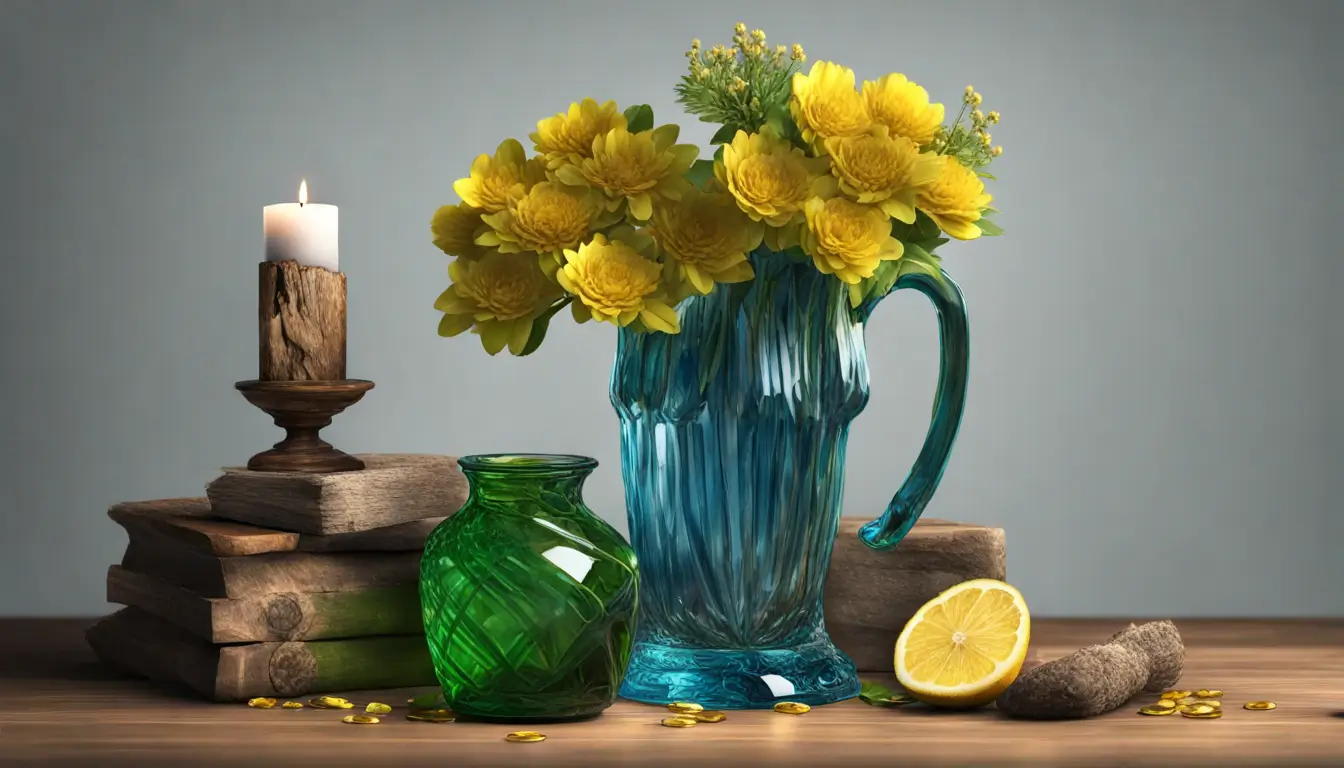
(706, 239)
(613, 282)
(880, 168)
(771, 179)
(634, 167)
(955, 200)
(825, 104)
(495, 180)
(498, 296)
(455, 229)
(903, 107)
(546, 219)
(848, 239)
(568, 137)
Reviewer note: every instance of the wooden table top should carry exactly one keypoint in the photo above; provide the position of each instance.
(58, 704)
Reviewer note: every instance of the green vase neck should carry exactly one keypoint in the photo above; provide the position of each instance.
(556, 481)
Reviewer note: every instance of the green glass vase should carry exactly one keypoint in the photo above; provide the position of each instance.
(528, 598)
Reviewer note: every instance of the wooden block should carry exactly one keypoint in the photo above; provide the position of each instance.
(154, 648)
(301, 322)
(163, 558)
(870, 595)
(391, 489)
(189, 522)
(275, 617)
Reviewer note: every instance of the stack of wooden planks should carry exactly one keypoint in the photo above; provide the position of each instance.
(280, 583)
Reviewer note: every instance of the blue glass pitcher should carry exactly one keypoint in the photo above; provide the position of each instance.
(733, 455)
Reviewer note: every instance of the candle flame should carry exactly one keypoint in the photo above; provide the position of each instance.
(303, 192)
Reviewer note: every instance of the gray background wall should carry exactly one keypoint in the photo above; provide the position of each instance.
(1154, 411)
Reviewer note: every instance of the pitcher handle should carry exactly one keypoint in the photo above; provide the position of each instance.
(906, 506)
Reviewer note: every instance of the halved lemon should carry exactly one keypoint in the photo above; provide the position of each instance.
(965, 646)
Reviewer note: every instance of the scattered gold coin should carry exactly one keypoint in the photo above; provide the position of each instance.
(1163, 704)
(1208, 693)
(292, 705)
(261, 703)
(1210, 714)
(330, 702)
(1259, 705)
(360, 719)
(1195, 710)
(525, 736)
(1152, 709)
(1175, 694)
(710, 716)
(378, 708)
(685, 707)
(792, 708)
(432, 716)
(680, 721)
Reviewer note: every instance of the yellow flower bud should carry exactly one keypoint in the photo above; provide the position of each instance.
(797, 53)
(739, 84)
(695, 43)
(993, 117)
(977, 116)
(970, 91)
(986, 139)
(731, 53)
(703, 73)
(996, 151)
(781, 49)
(758, 35)
(740, 28)
(975, 99)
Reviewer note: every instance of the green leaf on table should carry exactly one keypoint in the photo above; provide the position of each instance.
(700, 172)
(988, 227)
(638, 118)
(879, 695)
(431, 700)
(540, 326)
(724, 135)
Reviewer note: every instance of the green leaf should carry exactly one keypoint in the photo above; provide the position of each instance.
(796, 254)
(638, 118)
(930, 245)
(900, 230)
(928, 228)
(432, 700)
(879, 695)
(777, 117)
(988, 227)
(917, 260)
(718, 154)
(540, 325)
(984, 175)
(700, 172)
(724, 135)
(989, 209)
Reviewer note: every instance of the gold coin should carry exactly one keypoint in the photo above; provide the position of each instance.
(1208, 693)
(261, 702)
(1212, 714)
(292, 705)
(525, 736)
(1163, 704)
(427, 717)
(792, 708)
(1197, 709)
(360, 719)
(1259, 705)
(330, 702)
(1175, 694)
(685, 707)
(710, 716)
(679, 721)
(1151, 709)
(378, 708)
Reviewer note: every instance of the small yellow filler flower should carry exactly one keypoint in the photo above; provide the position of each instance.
(495, 180)
(848, 239)
(770, 178)
(547, 219)
(634, 168)
(825, 104)
(567, 137)
(880, 168)
(903, 107)
(706, 238)
(955, 200)
(498, 297)
(613, 282)
(455, 229)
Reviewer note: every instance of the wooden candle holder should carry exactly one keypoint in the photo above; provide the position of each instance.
(302, 409)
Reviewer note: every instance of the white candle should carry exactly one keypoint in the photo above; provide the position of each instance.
(303, 232)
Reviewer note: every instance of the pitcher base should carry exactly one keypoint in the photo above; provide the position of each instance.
(815, 674)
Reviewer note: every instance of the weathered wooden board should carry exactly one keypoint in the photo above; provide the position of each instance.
(154, 648)
(870, 595)
(191, 522)
(275, 617)
(391, 489)
(301, 322)
(162, 557)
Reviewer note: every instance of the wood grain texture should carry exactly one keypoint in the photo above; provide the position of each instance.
(258, 575)
(150, 647)
(301, 321)
(189, 522)
(870, 595)
(279, 616)
(391, 489)
(58, 705)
